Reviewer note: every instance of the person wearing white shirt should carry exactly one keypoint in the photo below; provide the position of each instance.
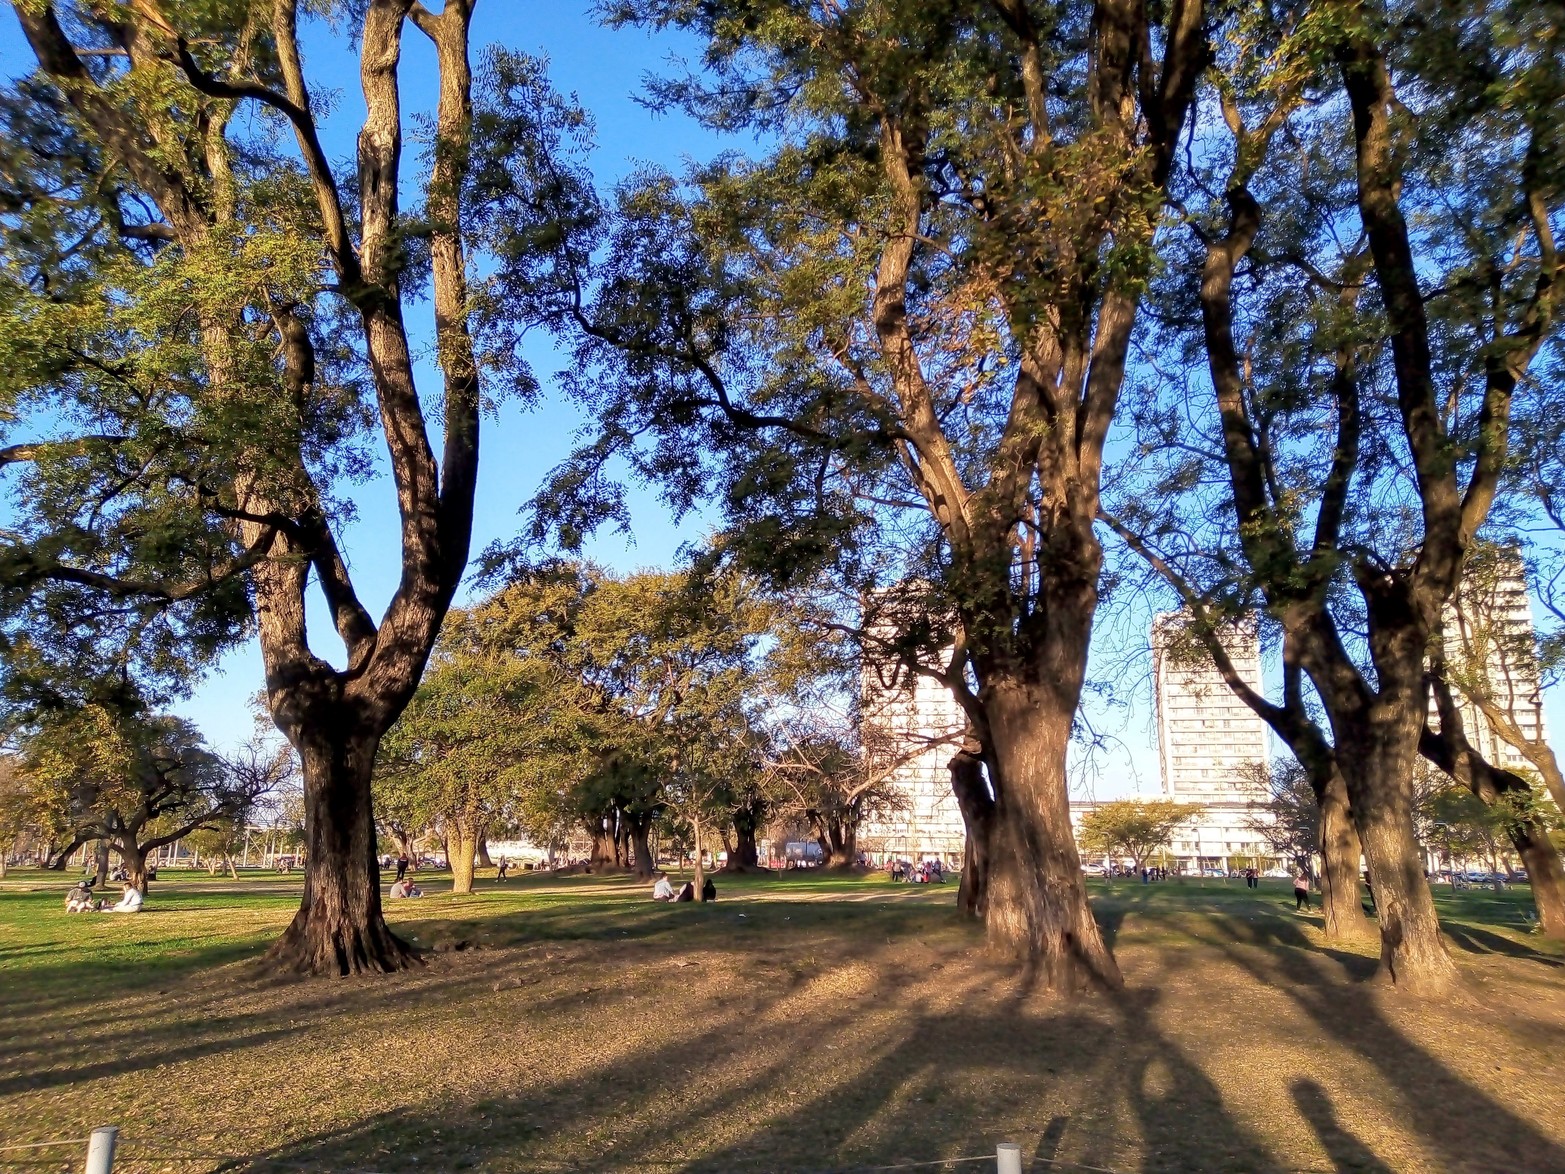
(663, 890)
(130, 901)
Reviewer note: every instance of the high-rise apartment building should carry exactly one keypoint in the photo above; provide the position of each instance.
(1206, 736)
(911, 717)
(1490, 646)
(1209, 742)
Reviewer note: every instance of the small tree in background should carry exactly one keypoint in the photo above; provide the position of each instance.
(1289, 819)
(1133, 827)
(134, 782)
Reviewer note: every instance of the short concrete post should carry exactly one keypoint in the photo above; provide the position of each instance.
(100, 1149)
(1008, 1158)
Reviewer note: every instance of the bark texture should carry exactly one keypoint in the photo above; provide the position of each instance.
(1037, 899)
(339, 928)
(977, 807)
(1341, 901)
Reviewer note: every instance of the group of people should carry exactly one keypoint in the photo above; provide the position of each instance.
(81, 900)
(404, 887)
(663, 889)
(923, 873)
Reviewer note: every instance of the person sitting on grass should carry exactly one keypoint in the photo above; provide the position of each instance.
(130, 901)
(663, 890)
(708, 890)
(687, 892)
(405, 888)
(79, 899)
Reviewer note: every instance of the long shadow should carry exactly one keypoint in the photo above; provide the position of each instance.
(56, 1077)
(918, 1092)
(1347, 1152)
(1469, 1128)
(1482, 941)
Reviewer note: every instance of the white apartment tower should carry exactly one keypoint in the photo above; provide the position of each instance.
(905, 713)
(1490, 646)
(1206, 736)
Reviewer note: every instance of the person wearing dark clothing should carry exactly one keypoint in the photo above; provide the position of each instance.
(708, 890)
(402, 866)
(687, 892)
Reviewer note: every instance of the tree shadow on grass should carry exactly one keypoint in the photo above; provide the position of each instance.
(1464, 1124)
(857, 1084)
(1347, 1152)
(1482, 941)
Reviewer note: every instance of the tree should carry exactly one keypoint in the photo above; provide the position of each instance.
(904, 331)
(1133, 827)
(226, 322)
(1289, 819)
(1498, 664)
(1363, 361)
(473, 738)
(258, 770)
(1514, 807)
(134, 782)
(835, 773)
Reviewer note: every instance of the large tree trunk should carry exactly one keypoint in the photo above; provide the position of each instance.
(1544, 872)
(339, 928)
(100, 873)
(134, 860)
(1341, 900)
(461, 851)
(977, 807)
(1038, 908)
(844, 842)
(483, 852)
(601, 856)
(641, 850)
(746, 854)
(1378, 772)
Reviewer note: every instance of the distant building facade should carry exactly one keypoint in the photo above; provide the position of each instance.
(907, 714)
(1207, 739)
(1489, 634)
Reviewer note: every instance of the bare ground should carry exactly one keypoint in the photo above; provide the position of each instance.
(793, 1028)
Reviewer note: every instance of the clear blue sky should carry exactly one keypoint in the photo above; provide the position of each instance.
(603, 68)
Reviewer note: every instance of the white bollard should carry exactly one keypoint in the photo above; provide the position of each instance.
(100, 1149)
(1008, 1158)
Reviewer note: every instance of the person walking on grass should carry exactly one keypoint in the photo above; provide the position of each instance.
(1301, 891)
(402, 865)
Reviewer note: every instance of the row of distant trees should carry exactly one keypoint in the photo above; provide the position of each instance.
(573, 704)
(1452, 822)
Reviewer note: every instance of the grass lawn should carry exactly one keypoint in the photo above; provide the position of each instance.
(801, 1023)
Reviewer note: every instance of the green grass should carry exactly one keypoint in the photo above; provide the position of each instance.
(809, 1021)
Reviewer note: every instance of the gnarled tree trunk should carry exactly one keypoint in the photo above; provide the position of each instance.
(483, 852)
(638, 829)
(746, 853)
(1378, 769)
(1341, 900)
(134, 861)
(1037, 900)
(600, 857)
(339, 928)
(977, 807)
